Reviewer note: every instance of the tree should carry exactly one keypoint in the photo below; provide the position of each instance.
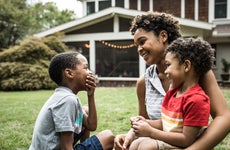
(25, 66)
(18, 19)
(46, 16)
(13, 21)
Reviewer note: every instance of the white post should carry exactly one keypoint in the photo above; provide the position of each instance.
(211, 11)
(127, 4)
(182, 8)
(150, 5)
(113, 3)
(96, 6)
(92, 56)
(139, 5)
(196, 10)
(142, 66)
(116, 24)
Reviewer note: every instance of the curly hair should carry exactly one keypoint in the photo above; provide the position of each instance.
(60, 62)
(156, 22)
(197, 51)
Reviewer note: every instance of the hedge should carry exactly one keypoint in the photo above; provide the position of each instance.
(25, 66)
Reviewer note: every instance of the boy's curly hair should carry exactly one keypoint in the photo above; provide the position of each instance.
(156, 22)
(197, 51)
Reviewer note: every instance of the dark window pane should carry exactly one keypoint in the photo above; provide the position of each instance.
(81, 47)
(120, 3)
(220, 8)
(104, 4)
(90, 7)
(116, 62)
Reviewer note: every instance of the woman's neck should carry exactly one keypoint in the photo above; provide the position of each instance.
(162, 76)
(161, 67)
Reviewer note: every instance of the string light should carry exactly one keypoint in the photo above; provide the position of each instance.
(116, 46)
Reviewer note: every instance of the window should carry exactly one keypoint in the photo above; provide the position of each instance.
(214, 47)
(116, 62)
(104, 4)
(90, 7)
(220, 8)
(120, 3)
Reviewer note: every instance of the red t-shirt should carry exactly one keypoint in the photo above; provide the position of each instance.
(190, 109)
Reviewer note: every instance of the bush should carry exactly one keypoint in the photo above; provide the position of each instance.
(25, 66)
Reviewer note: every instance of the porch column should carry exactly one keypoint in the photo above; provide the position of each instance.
(211, 13)
(127, 4)
(150, 5)
(182, 13)
(92, 56)
(142, 66)
(196, 8)
(139, 5)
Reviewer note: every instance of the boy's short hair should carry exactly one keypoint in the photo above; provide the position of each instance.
(60, 62)
(198, 51)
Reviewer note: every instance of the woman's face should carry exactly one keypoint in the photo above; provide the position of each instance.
(150, 47)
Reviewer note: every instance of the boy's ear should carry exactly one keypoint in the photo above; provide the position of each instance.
(187, 65)
(164, 36)
(68, 73)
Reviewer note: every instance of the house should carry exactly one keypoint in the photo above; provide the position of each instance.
(103, 36)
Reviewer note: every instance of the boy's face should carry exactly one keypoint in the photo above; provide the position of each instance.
(174, 71)
(80, 73)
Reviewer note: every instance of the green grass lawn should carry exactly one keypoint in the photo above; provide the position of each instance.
(18, 111)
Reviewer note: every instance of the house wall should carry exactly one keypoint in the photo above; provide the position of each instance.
(199, 10)
(203, 10)
(168, 6)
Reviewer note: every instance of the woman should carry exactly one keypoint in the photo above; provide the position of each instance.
(153, 32)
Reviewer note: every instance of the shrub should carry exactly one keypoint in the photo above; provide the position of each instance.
(25, 66)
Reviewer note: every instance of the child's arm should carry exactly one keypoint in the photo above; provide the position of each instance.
(66, 139)
(90, 120)
(153, 123)
(184, 139)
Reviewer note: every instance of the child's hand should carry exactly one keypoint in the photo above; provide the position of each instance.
(137, 118)
(141, 128)
(90, 84)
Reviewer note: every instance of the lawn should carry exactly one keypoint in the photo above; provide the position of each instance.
(18, 111)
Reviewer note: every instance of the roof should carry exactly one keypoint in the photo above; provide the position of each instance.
(109, 13)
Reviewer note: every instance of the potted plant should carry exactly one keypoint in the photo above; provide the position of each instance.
(225, 70)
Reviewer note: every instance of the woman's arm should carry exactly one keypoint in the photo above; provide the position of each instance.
(220, 126)
(140, 90)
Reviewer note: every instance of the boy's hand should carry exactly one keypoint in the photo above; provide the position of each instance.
(137, 118)
(90, 84)
(142, 128)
